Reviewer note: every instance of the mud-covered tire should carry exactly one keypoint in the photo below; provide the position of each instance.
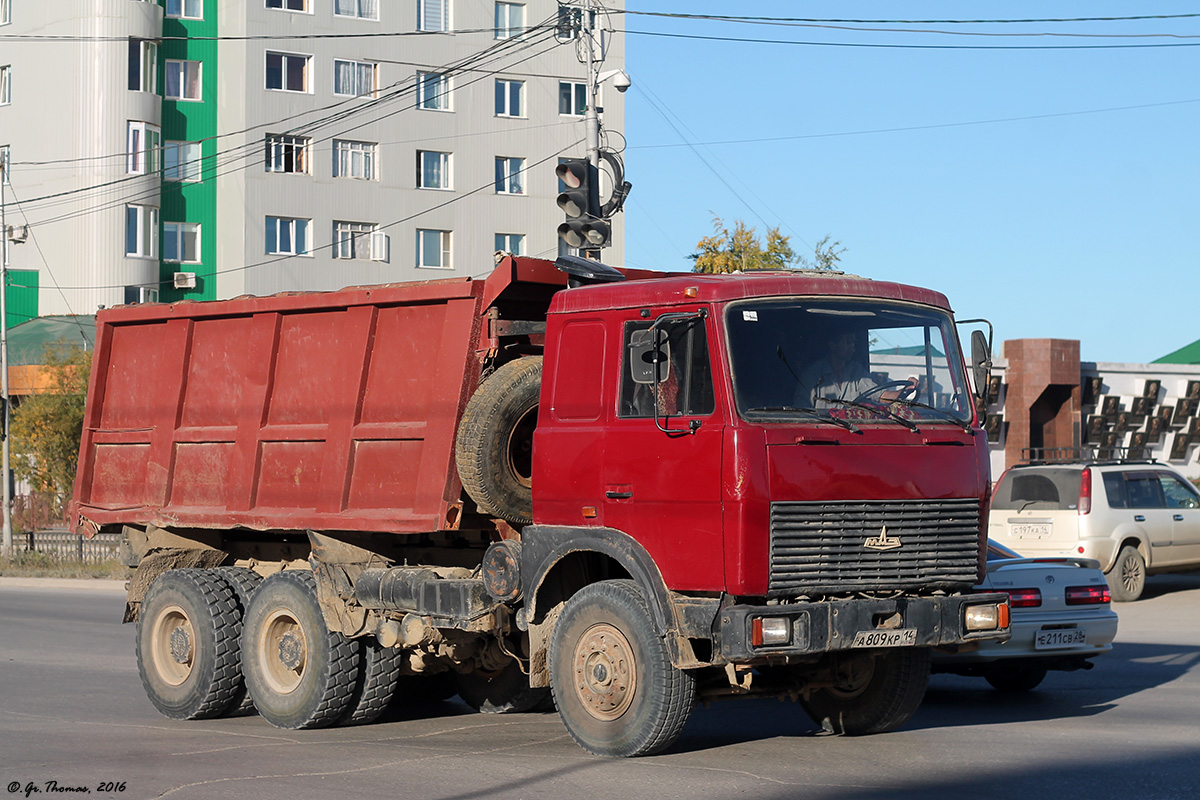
(494, 446)
(1127, 578)
(873, 695)
(506, 692)
(300, 674)
(616, 690)
(187, 644)
(244, 582)
(375, 685)
(1014, 679)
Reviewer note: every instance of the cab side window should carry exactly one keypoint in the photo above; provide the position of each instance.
(672, 359)
(1143, 490)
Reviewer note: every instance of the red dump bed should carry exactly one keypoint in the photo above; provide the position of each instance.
(330, 411)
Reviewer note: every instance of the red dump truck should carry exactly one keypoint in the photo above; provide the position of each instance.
(632, 490)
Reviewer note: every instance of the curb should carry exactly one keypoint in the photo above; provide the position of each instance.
(77, 584)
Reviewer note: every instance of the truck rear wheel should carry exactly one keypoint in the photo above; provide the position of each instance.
(187, 644)
(494, 447)
(243, 581)
(615, 687)
(871, 694)
(375, 686)
(300, 674)
(506, 692)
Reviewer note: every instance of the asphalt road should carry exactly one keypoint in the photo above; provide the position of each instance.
(73, 716)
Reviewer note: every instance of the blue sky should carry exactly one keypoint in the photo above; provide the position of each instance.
(1052, 223)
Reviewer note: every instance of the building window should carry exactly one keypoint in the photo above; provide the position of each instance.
(354, 160)
(433, 170)
(433, 15)
(433, 249)
(572, 98)
(5, 12)
(288, 5)
(182, 80)
(433, 91)
(510, 20)
(287, 237)
(181, 161)
(141, 231)
(4, 165)
(143, 70)
(141, 153)
(510, 97)
(185, 9)
(181, 242)
(287, 72)
(287, 153)
(354, 78)
(359, 240)
(511, 243)
(508, 175)
(363, 9)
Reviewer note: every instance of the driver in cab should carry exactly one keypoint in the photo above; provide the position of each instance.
(838, 376)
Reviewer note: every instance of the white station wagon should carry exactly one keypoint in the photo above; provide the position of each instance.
(1135, 518)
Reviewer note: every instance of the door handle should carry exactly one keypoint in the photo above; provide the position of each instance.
(1177, 517)
(618, 495)
(1139, 518)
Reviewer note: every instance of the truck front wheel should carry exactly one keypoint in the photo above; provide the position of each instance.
(300, 674)
(614, 685)
(187, 644)
(871, 694)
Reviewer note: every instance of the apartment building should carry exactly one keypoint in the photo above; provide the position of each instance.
(203, 149)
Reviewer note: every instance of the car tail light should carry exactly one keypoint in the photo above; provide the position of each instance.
(1088, 595)
(1024, 598)
(1085, 491)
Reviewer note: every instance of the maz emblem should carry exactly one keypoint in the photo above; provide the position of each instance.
(882, 541)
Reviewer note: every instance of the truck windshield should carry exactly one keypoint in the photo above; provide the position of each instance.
(864, 361)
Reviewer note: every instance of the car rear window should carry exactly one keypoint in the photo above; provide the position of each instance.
(1046, 489)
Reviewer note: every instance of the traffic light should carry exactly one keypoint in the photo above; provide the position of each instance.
(576, 199)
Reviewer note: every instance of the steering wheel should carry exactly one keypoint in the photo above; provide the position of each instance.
(876, 392)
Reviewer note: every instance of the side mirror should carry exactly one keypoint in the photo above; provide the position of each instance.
(981, 363)
(649, 364)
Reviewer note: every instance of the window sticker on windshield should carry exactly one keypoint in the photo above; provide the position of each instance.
(750, 316)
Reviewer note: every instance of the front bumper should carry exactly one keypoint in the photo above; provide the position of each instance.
(821, 627)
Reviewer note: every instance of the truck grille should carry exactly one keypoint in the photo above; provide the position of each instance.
(819, 547)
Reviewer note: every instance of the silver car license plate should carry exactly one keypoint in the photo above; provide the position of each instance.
(901, 637)
(1049, 640)
(1031, 530)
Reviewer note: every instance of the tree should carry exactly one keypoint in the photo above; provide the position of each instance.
(46, 427)
(741, 249)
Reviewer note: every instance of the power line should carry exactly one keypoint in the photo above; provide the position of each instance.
(923, 127)
(450, 70)
(893, 46)
(736, 18)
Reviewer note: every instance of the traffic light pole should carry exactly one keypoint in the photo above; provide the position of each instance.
(591, 119)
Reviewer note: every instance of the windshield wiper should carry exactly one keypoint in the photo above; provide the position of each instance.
(809, 412)
(966, 426)
(883, 412)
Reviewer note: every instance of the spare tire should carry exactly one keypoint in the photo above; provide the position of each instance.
(494, 447)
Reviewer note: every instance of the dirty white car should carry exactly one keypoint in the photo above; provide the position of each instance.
(1061, 619)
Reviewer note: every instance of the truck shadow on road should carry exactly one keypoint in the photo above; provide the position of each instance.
(953, 701)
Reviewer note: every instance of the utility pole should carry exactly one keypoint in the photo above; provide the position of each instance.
(5, 472)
